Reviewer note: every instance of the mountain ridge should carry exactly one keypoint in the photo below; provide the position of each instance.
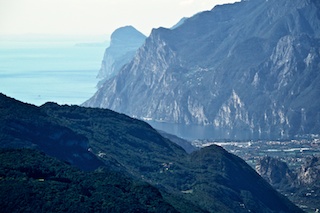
(124, 41)
(249, 66)
(210, 179)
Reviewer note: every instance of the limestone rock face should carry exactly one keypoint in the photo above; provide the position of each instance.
(301, 185)
(309, 173)
(124, 43)
(275, 171)
(251, 66)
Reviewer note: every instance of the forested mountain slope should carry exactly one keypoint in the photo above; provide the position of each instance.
(210, 179)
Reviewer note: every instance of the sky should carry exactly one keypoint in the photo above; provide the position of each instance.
(94, 17)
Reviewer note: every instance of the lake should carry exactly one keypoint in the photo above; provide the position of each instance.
(64, 72)
(40, 71)
(193, 132)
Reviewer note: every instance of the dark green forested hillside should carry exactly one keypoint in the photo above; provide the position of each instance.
(210, 179)
(24, 125)
(30, 181)
(121, 142)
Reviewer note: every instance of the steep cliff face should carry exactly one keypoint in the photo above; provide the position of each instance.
(251, 66)
(309, 173)
(275, 171)
(301, 185)
(124, 43)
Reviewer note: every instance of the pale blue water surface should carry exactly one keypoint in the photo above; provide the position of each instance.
(40, 71)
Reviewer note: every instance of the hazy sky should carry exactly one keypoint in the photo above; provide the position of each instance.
(94, 16)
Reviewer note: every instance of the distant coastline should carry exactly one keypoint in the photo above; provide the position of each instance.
(60, 70)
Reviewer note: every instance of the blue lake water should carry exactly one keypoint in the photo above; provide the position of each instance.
(193, 132)
(37, 72)
(63, 72)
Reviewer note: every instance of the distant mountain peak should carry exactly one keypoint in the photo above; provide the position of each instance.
(126, 34)
(266, 52)
(123, 45)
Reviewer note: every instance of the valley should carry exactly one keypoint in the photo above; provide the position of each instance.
(290, 151)
(291, 166)
(219, 113)
(206, 180)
